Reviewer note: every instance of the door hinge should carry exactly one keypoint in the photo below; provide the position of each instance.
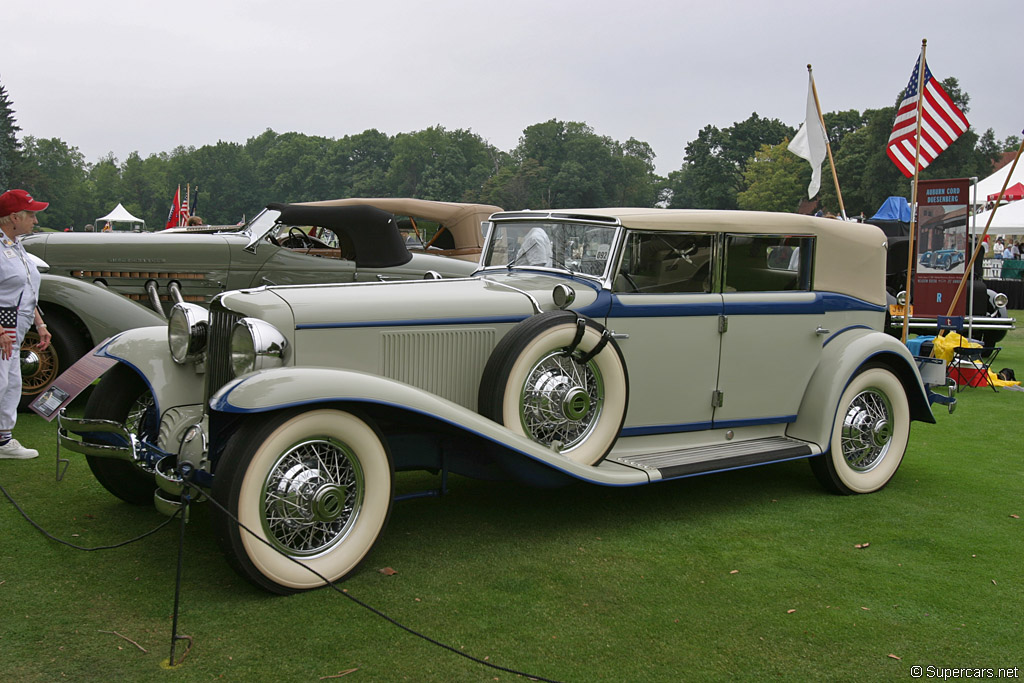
(717, 398)
(723, 324)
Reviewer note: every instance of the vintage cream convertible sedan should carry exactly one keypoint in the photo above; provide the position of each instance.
(618, 347)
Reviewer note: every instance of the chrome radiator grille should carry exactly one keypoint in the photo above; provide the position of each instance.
(218, 357)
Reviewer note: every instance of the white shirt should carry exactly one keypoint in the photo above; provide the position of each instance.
(19, 283)
(535, 249)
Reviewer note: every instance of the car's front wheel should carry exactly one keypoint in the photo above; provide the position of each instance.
(869, 436)
(313, 486)
(122, 396)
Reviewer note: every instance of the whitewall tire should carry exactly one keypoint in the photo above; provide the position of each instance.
(544, 380)
(314, 486)
(869, 435)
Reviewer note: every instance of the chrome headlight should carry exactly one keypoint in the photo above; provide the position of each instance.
(255, 345)
(187, 330)
(901, 298)
(1000, 300)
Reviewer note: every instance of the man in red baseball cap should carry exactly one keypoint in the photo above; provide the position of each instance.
(19, 294)
(14, 201)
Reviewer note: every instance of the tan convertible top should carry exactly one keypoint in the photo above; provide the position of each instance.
(463, 220)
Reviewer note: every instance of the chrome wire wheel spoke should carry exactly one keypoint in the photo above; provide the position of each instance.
(312, 497)
(867, 430)
(561, 400)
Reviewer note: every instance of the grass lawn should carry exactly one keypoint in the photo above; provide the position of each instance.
(747, 575)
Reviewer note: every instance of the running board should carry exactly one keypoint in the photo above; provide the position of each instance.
(727, 456)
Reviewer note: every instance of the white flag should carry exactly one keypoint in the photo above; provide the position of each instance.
(810, 142)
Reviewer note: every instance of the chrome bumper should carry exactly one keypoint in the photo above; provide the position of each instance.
(71, 429)
(126, 447)
(978, 323)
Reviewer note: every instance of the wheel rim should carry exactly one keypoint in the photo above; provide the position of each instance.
(561, 401)
(312, 497)
(867, 430)
(141, 421)
(45, 370)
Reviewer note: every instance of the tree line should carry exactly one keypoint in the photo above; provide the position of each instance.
(556, 164)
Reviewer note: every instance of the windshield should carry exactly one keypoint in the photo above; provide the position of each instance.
(261, 225)
(576, 247)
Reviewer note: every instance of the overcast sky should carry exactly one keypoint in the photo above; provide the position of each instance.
(131, 75)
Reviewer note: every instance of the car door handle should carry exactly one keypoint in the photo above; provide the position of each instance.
(821, 330)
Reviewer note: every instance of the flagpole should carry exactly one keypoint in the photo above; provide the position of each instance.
(828, 145)
(913, 193)
(977, 247)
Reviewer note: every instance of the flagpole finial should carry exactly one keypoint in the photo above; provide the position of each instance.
(924, 42)
(808, 67)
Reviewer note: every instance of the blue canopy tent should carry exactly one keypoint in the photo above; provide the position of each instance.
(893, 217)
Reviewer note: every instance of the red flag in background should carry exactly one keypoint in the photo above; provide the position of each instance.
(174, 215)
(941, 123)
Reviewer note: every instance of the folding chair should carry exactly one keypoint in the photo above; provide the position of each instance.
(968, 362)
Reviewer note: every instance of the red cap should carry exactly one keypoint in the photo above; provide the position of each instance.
(14, 201)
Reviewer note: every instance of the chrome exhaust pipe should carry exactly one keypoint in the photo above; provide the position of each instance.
(152, 289)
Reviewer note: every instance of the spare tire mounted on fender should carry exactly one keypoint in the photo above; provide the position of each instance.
(558, 378)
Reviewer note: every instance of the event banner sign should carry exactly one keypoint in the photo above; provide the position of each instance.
(941, 245)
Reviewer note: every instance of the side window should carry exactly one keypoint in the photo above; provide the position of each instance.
(768, 263)
(665, 263)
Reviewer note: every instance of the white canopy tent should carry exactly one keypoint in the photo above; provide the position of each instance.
(120, 215)
(994, 183)
(1009, 220)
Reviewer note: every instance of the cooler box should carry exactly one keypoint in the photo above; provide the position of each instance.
(968, 375)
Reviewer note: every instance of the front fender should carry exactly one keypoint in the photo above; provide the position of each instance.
(145, 350)
(103, 313)
(843, 354)
(281, 388)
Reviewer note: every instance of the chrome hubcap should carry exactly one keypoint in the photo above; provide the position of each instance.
(561, 401)
(867, 430)
(29, 363)
(311, 497)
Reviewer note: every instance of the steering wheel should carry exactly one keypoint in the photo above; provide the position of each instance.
(302, 238)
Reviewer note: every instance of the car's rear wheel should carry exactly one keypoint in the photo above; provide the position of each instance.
(869, 436)
(123, 397)
(559, 379)
(314, 486)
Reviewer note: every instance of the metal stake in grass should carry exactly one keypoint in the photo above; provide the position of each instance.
(186, 498)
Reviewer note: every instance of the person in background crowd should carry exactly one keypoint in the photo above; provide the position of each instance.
(19, 293)
(89, 227)
(1015, 250)
(194, 220)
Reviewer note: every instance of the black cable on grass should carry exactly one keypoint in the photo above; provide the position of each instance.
(46, 533)
(376, 611)
(320, 576)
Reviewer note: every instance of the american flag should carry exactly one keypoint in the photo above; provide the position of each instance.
(183, 214)
(941, 123)
(9, 322)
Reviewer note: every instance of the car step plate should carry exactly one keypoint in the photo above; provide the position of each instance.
(702, 459)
